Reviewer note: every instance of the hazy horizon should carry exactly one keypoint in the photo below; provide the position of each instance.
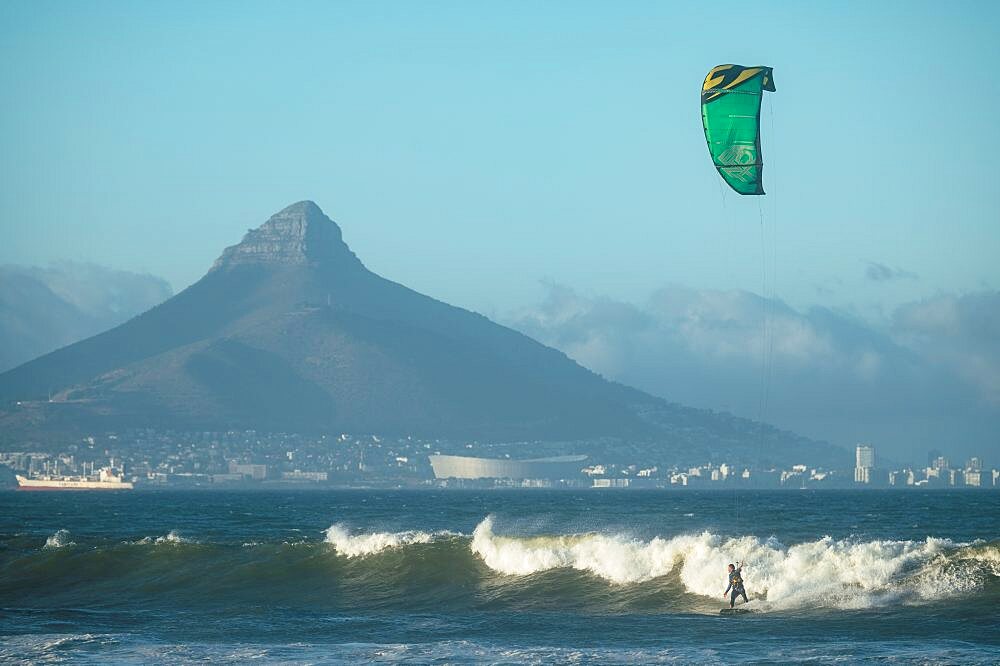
(906, 389)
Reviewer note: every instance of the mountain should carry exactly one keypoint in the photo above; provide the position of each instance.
(42, 309)
(289, 331)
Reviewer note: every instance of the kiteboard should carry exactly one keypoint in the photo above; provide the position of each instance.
(734, 611)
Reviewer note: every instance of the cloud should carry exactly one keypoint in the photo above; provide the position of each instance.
(958, 332)
(722, 328)
(98, 291)
(42, 309)
(821, 372)
(881, 273)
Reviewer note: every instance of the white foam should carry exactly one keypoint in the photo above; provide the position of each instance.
(60, 539)
(172, 538)
(826, 572)
(962, 572)
(360, 545)
(616, 559)
(984, 553)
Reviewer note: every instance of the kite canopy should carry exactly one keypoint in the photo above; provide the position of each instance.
(730, 113)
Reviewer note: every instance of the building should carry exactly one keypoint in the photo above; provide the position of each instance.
(864, 462)
(903, 477)
(251, 472)
(466, 467)
(299, 475)
(611, 483)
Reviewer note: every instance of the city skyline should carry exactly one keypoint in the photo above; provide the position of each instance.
(148, 459)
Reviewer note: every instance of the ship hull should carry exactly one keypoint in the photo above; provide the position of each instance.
(32, 489)
(48, 485)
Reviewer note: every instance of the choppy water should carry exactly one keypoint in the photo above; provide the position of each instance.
(537, 576)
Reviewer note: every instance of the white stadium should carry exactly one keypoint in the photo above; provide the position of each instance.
(464, 467)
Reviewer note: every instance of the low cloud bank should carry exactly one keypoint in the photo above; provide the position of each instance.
(43, 309)
(958, 332)
(930, 380)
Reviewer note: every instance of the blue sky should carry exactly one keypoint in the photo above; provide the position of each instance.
(471, 149)
(483, 152)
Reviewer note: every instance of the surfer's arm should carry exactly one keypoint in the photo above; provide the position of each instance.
(727, 587)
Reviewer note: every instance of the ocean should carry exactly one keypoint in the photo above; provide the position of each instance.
(499, 576)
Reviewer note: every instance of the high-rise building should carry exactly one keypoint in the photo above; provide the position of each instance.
(864, 461)
(975, 464)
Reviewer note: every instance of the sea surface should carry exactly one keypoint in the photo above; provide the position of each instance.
(499, 576)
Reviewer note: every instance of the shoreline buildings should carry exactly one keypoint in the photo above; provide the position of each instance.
(249, 459)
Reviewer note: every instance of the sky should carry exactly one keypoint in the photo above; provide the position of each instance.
(513, 157)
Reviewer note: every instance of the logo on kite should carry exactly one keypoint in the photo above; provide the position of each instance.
(730, 114)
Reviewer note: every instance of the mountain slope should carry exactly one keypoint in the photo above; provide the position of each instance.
(290, 332)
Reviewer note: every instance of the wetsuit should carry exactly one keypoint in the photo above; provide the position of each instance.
(736, 585)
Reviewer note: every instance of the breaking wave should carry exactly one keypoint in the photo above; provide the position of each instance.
(414, 569)
(615, 559)
(360, 545)
(171, 537)
(826, 572)
(60, 539)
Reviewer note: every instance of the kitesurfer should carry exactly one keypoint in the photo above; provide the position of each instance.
(736, 585)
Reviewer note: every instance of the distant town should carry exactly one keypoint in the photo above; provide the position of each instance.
(150, 459)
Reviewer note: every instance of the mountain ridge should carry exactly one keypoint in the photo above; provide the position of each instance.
(289, 331)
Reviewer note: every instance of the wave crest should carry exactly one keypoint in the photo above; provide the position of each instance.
(61, 539)
(613, 558)
(170, 538)
(828, 572)
(360, 545)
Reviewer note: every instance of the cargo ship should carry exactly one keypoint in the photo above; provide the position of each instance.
(107, 478)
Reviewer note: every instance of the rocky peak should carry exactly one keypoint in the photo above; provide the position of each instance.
(298, 234)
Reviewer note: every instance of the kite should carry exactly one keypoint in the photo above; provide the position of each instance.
(730, 113)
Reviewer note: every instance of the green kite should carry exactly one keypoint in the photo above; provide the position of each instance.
(730, 113)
